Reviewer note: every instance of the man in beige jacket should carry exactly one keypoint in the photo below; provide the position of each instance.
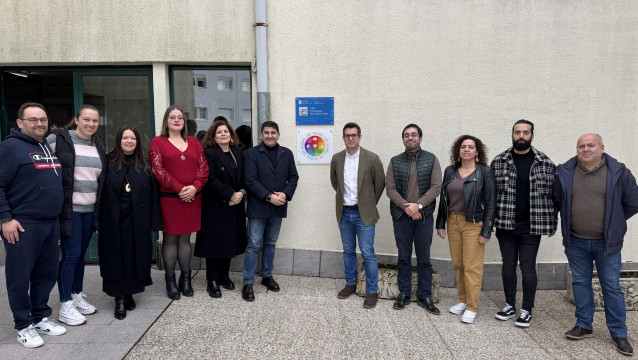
(357, 176)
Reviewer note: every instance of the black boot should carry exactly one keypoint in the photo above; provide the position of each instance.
(171, 287)
(120, 310)
(213, 289)
(129, 303)
(227, 283)
(185, 283)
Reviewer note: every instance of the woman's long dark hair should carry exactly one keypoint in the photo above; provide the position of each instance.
(117, 157)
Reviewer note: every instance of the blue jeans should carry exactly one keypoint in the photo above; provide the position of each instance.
(71, 274)
(581, 253)
(258, 230)
(351, 227)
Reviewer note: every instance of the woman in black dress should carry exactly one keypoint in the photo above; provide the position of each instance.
(130, 211)
(223, 233)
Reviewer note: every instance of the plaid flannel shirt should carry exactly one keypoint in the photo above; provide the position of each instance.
(543, 217)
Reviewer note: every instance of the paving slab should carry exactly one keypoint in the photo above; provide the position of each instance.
(307, 320)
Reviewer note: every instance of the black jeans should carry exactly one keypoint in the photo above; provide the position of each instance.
(419, 232)
(519, 245)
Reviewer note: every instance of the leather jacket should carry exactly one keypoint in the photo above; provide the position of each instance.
(480, 198)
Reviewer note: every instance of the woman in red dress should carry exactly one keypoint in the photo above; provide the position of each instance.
(180, 167)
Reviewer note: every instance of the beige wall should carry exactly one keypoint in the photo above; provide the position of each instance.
(452, 67)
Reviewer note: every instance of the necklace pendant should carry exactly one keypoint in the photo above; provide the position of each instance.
(183, 157)
(127, 187)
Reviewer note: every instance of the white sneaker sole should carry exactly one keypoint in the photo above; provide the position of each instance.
(467, 320)
(85, 311)
(522, 324)
(504, 318)
(71, 322)
(457, 312)
(30, 345)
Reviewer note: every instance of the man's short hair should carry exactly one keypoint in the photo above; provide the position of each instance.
(351, 125)
(28, 105)
(418, 129)
(523, 121)
(270, 124)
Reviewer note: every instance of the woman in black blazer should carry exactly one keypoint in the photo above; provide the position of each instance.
(223, 233)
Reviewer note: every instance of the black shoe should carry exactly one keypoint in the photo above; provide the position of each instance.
(270, 283)
(578, 333)
(428, 305)
(227, 283)
(508, 312)
(247, 293)
(623, 346)
(525, 319)
(213, 289)
(401, 302)
(129, 303)
(171, 287)
(185, 283)
(120, 309)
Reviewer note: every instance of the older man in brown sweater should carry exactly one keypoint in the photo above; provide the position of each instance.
(596, 195)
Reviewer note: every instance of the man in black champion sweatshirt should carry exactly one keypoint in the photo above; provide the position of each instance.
(31, 198)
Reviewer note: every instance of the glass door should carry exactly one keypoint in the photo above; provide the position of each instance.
(122, 97)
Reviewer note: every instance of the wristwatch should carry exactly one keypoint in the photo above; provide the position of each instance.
(420, 206)
(268, 197)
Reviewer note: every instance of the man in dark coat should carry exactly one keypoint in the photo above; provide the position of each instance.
(271, 178)
(596, 196)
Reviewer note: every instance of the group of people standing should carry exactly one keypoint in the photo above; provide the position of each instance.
(56, 191)
(520, 194)
(63, 188)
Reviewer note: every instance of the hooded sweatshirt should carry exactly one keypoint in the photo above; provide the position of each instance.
(30, 179)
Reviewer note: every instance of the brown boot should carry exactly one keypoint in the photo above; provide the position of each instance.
(370, 301)
(346, 292)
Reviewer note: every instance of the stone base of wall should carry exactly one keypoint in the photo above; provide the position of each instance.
(629, 287)
(551, 276)
(388, 287)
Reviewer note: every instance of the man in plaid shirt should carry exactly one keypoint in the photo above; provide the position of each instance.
(524, 212)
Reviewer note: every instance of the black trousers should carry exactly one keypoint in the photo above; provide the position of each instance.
(31, 271)
(419, 233)
(217, 268)
(519, 245)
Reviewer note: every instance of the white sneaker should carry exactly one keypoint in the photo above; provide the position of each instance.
(49, 327)
(81, 305)
(458, 308)
(29, 338)
(70, 315)
(468, 317)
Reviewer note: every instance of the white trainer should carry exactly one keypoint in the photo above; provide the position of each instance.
(458, 308)
(70, 315)
(82, 305)
(468, 317)
(49, 327)
(29, 338)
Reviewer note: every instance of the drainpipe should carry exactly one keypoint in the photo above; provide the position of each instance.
(263, 96)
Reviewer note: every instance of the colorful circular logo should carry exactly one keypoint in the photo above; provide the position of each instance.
(315, 145)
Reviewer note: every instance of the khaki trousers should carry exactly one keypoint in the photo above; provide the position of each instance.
(467, 258)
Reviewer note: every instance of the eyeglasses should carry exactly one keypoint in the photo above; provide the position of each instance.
(34, 120)
(409, 135)
(180, 118)
(351, 136)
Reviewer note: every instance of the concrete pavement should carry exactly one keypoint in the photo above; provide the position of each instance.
(306, 320)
